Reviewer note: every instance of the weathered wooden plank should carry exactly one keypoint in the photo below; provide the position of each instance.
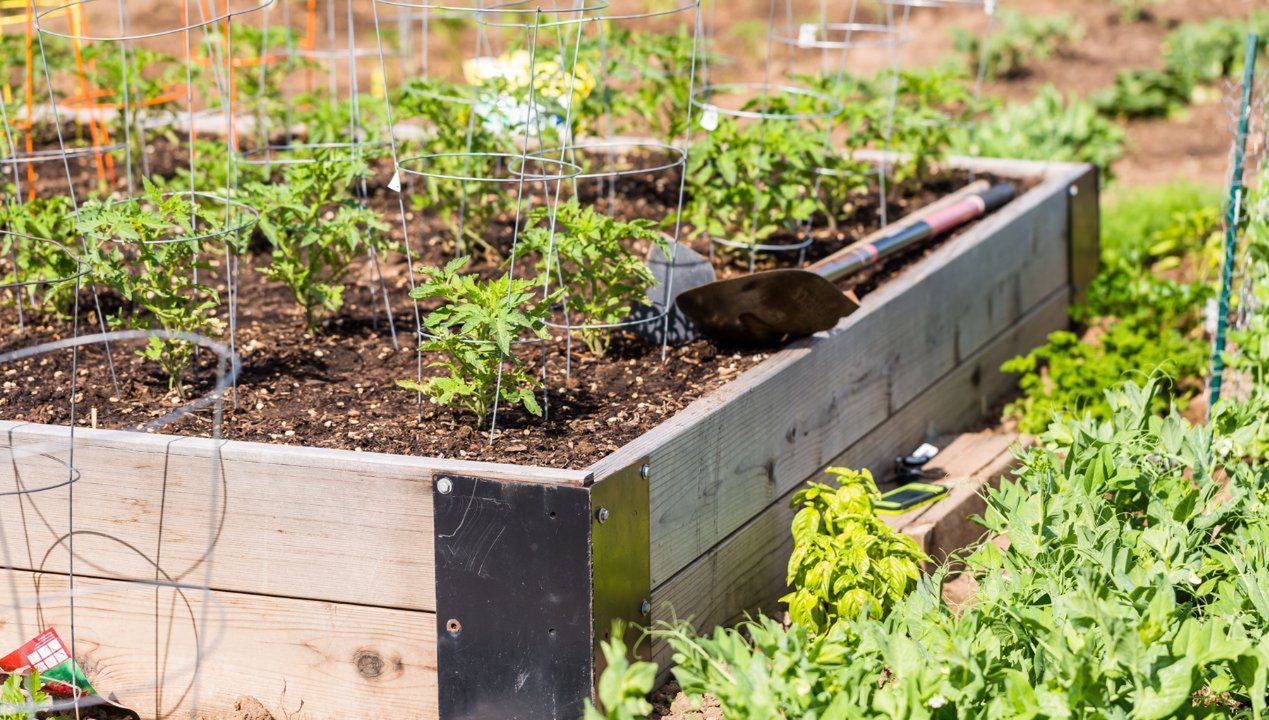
(746, 571)
(292, 522)
(941, 529)
(957, 463)
(719, 462)
(293, 658)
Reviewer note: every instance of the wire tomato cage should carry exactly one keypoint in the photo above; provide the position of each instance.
(766, 104)
(70, 565)
(152, 85)
(523, 124)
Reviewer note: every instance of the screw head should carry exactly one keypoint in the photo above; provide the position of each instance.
(645, 607)
(1074, 190)
(444, 486)
(645, 471)
(602, 514)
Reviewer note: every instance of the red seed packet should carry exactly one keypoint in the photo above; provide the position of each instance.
(47, 653)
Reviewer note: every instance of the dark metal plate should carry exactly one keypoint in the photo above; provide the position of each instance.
(622, 564)
(513, 594)
(1085, 225)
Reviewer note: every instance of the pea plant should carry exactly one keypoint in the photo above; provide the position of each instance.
(474, 330)
(317, 230)
(1128, 585)
(587, 255)
(846, 563)
(147, 253)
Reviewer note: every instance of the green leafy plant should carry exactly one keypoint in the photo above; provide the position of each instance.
(316, 230)
(1140, 320)
(932, 105)
(748, 181)
(587, 254)
(1021, 39)
(624, 686)
(462, 148)
(327, 122)
(1210, 51)
(846, 562)
(1124, 581)
(1243, 413)
(1047, 128)
(148, 253)
(22, 695)
(1135, 11)
(474, 331)
(48, 218)
(1145, 93)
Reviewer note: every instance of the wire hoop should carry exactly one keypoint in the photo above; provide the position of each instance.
(854, 35)
(230, 206)
(80, 265)
(568, 170)
(292, 154)
(701, 100)
(677, 157)
(83, 4)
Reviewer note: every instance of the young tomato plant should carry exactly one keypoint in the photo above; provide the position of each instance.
(49, 218)
(317, 230)
(462, 147)
(600, 278)
(21, 694)
(144, 256)
(748, 182)
(846, 563)
(474, 330)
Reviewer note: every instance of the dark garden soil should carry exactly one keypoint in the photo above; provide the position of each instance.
(336, 388)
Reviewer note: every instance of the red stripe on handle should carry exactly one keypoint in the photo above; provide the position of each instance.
(956, 215)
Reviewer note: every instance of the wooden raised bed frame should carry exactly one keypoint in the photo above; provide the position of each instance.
(348, 585)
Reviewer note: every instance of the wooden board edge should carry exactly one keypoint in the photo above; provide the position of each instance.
(1052, 311)
(142, 642)
(58, 437)
(1058, 177)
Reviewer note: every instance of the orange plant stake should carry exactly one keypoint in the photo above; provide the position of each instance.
(98, 132)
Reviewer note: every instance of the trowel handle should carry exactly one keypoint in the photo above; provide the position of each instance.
(981, 200)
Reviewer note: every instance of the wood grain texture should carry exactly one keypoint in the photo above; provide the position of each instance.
(297, 659)
(722, 460)
(746, 571)
(280, 521)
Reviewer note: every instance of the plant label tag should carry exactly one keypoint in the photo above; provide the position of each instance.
(709, 120)
(926, 451)
(395, 184)
(808, 33)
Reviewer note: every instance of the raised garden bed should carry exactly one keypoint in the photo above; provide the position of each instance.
(364, 585)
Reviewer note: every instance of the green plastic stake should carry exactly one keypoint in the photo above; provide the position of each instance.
(1232, 212)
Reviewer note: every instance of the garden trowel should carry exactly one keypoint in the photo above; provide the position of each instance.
(765, 308)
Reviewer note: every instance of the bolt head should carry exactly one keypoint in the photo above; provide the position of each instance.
(1074, 190)
(444, 486)
(645, 607)
(602, 514)
(645, 471)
